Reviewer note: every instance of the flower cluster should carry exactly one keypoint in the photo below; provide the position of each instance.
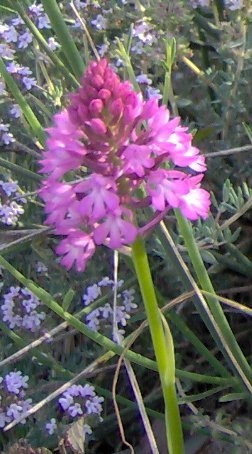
(19, 309)
(133, 152)
(105, 313)
(6, 137)
(11, 202)
(16, 37)
(233, 5)
(78, 401)
(17, 32)
(12, 397)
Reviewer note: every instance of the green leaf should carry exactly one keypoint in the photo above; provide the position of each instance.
(69, 48)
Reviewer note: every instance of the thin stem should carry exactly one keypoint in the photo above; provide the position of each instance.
(163, 347)
(230, 349)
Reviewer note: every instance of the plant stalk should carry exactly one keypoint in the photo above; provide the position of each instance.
(163, 348)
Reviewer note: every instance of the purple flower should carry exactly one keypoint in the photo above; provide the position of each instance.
(29, 82)
(123, 311)
(11, 202)
(92, 293)
(20, 309)
(25, 39)
(80, 400)
(6, 51)
(52, 43)
(6, 137)
(12, 397)
(35, 9)
(51, 426)
(43, 22)
(11, 34)
(133, 152)
(15, 111)
(99, 22)
(15, 381)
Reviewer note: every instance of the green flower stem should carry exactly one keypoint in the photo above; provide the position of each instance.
(230, 349)
(163, 347)
(69, 48)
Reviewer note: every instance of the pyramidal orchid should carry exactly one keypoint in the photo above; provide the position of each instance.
(108, 154)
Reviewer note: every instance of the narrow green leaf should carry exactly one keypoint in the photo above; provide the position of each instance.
(68, 46)
(46, 298)
(20, 170)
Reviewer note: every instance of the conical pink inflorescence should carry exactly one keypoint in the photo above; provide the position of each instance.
(118, 153)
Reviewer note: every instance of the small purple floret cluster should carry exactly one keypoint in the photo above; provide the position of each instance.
(11, 202)
(103, 315)
(12, 397)
(19, 309)
(119, 153)
(233, 5)
(79, 401)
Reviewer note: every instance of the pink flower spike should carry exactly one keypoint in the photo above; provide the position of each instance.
(77, 248)
(121, 154)
(115, 231)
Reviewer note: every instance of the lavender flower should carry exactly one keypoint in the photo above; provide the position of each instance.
(19, 309)
(25, 39)
(233, 5)
(15, 111)
(22, 74)
(11, 202)
(6, 51)
(10, 34)
(52, 43)
(15, 382)
(105, 313)
(37, 14)
(99, 22)
(80, 400)
(12, 396)
(145, 33)
(41, 268)
(51, 426)
(6, 137)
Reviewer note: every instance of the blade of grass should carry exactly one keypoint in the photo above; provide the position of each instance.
(229, 347)
(172, 254)
(20, 170)
(61, 30)
(46, 298)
